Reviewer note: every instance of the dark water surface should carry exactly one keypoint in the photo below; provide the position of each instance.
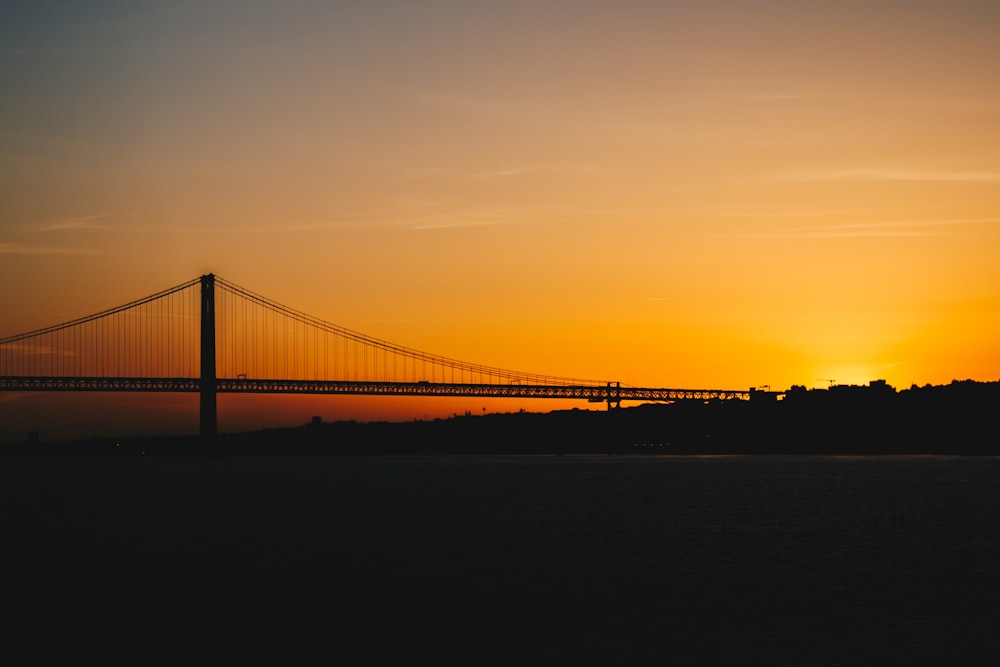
(506, 560)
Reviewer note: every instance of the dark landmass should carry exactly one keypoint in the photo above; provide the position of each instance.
(587, 560)
(959, 418)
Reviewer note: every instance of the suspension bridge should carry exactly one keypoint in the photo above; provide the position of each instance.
(211, 336)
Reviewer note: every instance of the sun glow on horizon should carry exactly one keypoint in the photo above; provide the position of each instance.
(718, 196)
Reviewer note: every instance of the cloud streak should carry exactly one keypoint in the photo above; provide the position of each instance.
(22, 249)
(463, 224)
(916, 176)
(431, 173)
(81, 223)
(898, 229)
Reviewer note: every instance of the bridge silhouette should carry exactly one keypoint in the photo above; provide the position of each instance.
(211, 336)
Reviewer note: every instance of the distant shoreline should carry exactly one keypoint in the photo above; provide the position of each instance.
(959, 418)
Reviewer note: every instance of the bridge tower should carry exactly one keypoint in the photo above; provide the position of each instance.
(209, 422)
(614, 395)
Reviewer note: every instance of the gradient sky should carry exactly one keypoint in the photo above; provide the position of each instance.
(717, 194)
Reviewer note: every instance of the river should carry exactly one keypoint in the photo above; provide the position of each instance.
(508, 560)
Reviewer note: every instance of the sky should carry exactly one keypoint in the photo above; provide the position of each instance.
(719, 194)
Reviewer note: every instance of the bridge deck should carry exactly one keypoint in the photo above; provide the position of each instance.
(593, 393)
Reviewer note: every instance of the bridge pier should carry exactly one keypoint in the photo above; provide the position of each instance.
(614, 398)
(209, 420)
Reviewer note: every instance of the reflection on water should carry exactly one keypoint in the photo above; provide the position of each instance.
(527, 560)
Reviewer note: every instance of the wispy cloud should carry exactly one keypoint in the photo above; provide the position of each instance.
(461, 224)
(57, 233)
(895, 229)
(26, 249)
(510, 171)
(554, 116)
(952, 104)
(453, 225)
(387, 220)
(783, 96)
(283, 227)
(80, 223)
(507, 172)
(883, 174)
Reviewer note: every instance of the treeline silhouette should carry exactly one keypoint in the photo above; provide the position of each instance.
(957, 418)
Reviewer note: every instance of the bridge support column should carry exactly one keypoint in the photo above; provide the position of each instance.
(209, 422)
(614, 397)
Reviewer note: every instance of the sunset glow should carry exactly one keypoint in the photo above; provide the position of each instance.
(711, 195)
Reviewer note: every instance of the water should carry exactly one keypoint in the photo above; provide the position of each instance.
(512, 560)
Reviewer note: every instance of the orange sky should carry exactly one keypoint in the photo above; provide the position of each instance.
(720, 194)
